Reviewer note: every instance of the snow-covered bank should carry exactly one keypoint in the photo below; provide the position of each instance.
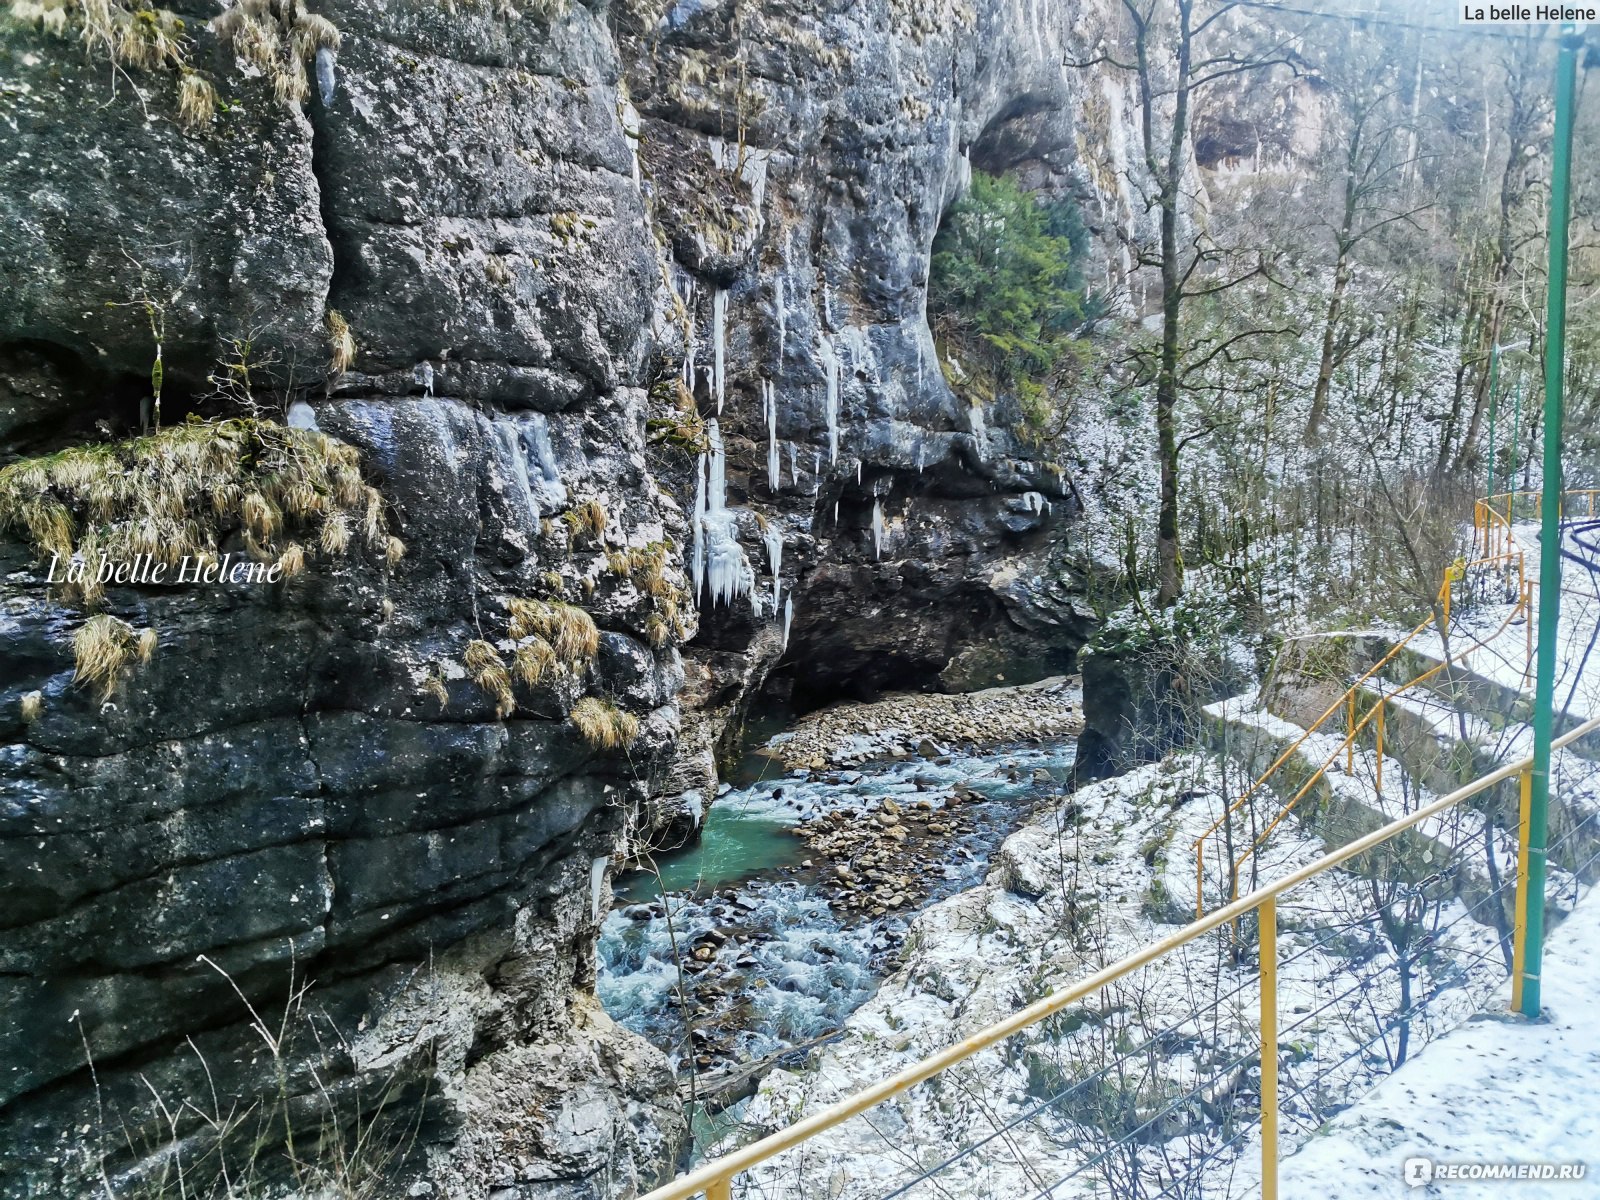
(1496, 1089)
(847, 734)
(1100, 875)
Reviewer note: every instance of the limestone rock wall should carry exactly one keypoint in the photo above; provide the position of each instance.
(303, 803)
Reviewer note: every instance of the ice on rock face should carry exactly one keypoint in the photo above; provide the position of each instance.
(980, 429)
(423, 374)
(830, 397)
(788, 619)
(551, 487)
(326, 83)
(1034, 502)
(718, 559)
(527, 443)
(511, 442)
(769, 405)
(774, 540)
(302, 416)
(597, 876)
(877, 528)
(781, 311)
(719, 344)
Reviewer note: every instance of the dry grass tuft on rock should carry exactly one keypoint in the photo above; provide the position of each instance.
(489, 672)
(604, 725)
(569, 631)
(341, 343)
(132, 35)
(277, 38)
(183, 492)
(588, 518)
(103, 645)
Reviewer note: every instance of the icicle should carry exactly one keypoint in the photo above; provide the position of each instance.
(423, 374)
(836, 512)
(769, 404)
(774, 539)
(877, 529)
(830, 400)
(794, 473)
(719, 343)
(788, 619)
(698, 566)
(690, 341)
(696, 805)
(726, 571)
(780, 308)
(980, 431)
(326, 84)
(597, 876)
(858, 472)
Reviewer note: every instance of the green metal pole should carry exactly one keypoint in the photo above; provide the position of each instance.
(1550, 531)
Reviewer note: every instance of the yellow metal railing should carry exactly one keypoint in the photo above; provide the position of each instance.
(1492, 520)
(715, 1179)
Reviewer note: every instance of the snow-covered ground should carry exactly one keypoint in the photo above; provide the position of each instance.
(1151, 1087)
(1496, 1089)
(1167, 1055)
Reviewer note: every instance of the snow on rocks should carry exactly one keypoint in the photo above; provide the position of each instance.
(901, 725)
(1166, 1054)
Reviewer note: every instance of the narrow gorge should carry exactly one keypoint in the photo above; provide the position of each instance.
(676, 598)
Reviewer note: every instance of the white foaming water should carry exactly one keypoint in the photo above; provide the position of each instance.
(769, 405)
(792, 969)
(719, 344)
(877, 529)
(830, 397)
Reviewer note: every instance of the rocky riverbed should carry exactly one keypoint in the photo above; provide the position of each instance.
(767, 935)
(907, 724)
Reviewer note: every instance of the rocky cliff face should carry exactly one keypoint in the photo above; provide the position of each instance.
(566, 241)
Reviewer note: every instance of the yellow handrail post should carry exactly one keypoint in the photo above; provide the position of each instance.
(1378, 752)
(1350, 731)
(1268, 922)
(722, 1189)
(1519, 937)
